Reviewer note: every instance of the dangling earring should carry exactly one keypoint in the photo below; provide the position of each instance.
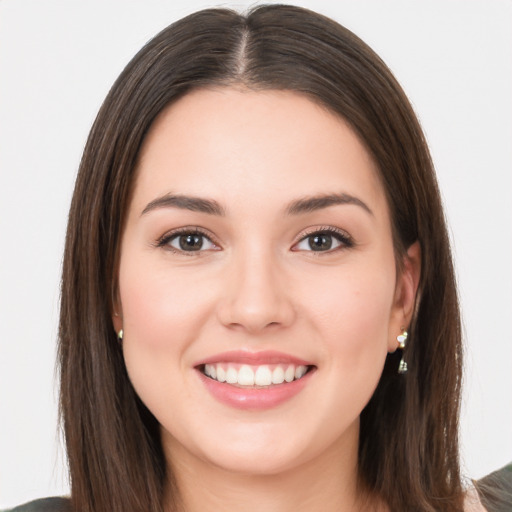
(402, 339)
(120, 336)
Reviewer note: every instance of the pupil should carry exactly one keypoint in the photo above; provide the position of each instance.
(191, 242)
(320, 242)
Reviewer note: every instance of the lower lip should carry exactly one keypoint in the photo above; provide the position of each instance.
(254, 398)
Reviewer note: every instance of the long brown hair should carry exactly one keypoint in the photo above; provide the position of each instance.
(408, 451)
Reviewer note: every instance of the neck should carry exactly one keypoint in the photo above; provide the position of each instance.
(328, 483)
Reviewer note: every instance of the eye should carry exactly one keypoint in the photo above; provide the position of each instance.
(325, 240)
(187, 241)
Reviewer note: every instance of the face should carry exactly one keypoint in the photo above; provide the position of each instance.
(258, 291)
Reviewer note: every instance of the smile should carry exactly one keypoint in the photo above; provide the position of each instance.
(254, 381)
(254, 376)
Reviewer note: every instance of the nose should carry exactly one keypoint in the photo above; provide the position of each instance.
(256, 296)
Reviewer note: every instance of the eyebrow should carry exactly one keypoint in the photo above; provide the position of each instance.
(195, 204)
(212, 207)
(313, 203)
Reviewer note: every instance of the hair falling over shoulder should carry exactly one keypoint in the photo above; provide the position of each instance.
(408, 451)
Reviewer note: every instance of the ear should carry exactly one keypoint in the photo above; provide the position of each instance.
(405, 294)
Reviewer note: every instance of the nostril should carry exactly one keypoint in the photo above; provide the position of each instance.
(255, 302)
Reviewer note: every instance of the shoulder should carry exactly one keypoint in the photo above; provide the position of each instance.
(44, 505)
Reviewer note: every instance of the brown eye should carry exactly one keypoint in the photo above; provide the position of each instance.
(319, 242)
(324, 241)
(188, 242)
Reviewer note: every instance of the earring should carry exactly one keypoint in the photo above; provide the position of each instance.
(120, 335)
(402, 339)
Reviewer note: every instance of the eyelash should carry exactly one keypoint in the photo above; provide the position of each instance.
(164, 241)
(344, 238)
(341, 236)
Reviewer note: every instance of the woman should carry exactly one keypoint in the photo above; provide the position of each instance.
(256, 229)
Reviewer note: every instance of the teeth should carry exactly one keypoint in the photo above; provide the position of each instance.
(263, 376)
(289, 374)
(300, 371)
(278, 375)
(232, 376)
(245, 375)
(221, 374)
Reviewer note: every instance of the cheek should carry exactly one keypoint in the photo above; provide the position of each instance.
(353, 305)
(162, 316)
(161, 309)
(352, 327)
(350, 317)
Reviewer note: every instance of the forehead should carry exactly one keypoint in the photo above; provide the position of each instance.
(236, 143)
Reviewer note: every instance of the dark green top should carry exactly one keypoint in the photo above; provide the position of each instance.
(44, 505)
(495, 492)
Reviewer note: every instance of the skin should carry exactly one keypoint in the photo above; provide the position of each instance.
(258, 285)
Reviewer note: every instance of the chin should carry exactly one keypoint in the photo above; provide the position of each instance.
(256, 462)
(263, 449)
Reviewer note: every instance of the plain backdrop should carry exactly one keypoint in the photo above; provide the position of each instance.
(57, 62)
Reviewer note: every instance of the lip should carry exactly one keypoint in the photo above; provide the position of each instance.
(254, 358)
(254, 398)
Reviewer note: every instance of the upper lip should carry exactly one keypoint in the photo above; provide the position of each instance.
(254, 358)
